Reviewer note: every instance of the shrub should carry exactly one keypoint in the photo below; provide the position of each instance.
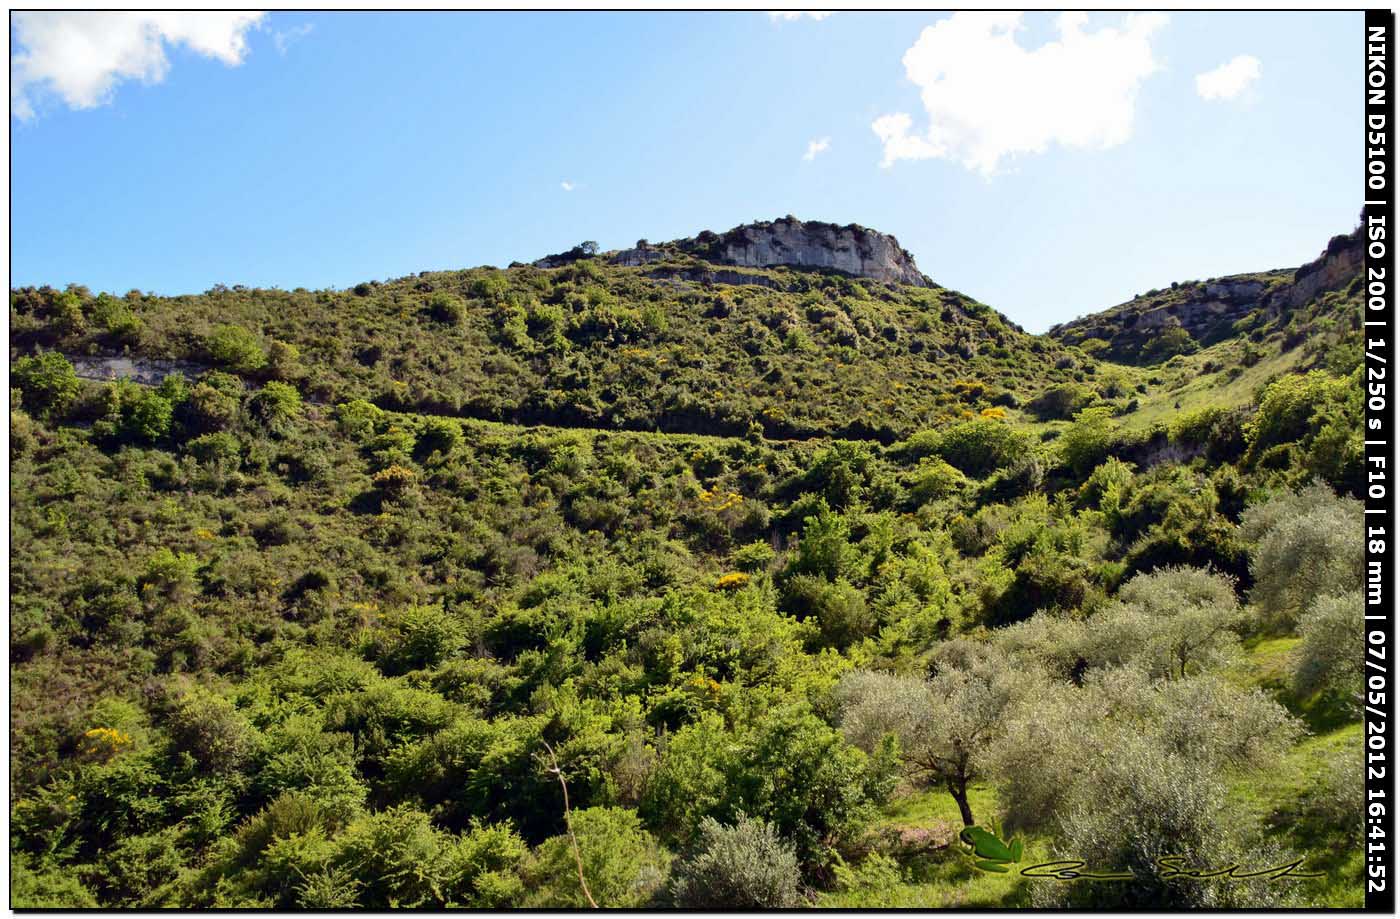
(47, 887)
(623, 865)
(400, 858)
(236, 348)
(220, 449)
(47, 383)
(980, 446)
(438, 435)
(754, 557)
(1061, 401)
(146, 419)
(415, 638)
(276, 404)
(743, 866)
(838, 608)
(1087, 441)
(211, 730)
(446, 308)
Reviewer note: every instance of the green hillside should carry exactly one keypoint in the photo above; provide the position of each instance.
(785, 581)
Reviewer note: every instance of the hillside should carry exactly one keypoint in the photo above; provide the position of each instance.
(787, 573)
(1161, 324)
(678, 345)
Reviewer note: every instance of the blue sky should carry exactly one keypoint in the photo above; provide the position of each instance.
(306, 150)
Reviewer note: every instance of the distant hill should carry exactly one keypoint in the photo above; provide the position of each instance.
(1160, 324)
(784, 329)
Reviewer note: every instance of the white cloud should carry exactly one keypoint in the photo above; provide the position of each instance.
(83, 56)
(989, 98)
(1229, 79)
(815, 147)
(566, 185)
(792, 15)
(283, 39)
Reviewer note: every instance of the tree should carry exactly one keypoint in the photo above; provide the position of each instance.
(746, 865)
(945, 726)
(1170, 622)
(1303, 549)
(47, 383)
(1330, 658)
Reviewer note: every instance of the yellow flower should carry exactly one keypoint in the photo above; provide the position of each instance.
(732, 581)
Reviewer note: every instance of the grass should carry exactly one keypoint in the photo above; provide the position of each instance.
(1278, 796)
(943, 878)
(1191, 390)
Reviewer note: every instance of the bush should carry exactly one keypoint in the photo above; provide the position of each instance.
(446, 308)
(415, 638)
(624, 866)
(1087, 441)
(276, 405)
(47, 383)
(743, 866)
(236, 348)
(1331, 656)
(146, 419)
(838, 608)
(980, 446)
(211, 730)
(1061, 402)
(220, 449)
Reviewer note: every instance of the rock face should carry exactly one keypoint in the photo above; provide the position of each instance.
(1208, 311)
(851, 249)
(1344, 257)
(789, 242)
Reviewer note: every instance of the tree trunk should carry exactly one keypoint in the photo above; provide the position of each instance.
(958, 789)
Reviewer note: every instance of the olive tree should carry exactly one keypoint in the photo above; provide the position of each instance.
(1127, 770)
(944, 725)
(1170, 622)
(1330, 658)
(1304, 548)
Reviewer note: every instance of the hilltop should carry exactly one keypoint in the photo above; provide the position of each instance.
(1160, 324)
(852, 250)
(710, 336)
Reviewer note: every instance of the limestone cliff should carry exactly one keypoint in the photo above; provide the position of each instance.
(850, 249)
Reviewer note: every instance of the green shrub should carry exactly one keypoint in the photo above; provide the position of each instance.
(743, 866)
(622, 864)
(236, 348)
(47, 383)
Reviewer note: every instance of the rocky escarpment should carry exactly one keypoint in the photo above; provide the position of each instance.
(789, 242)
(1162, 323)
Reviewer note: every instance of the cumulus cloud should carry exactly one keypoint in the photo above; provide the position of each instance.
(792, 15)
(1229, 79)
(567, 185)
(815, 147)
(988, 98)
(81, 57)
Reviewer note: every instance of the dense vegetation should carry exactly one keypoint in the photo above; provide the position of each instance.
(339, 618)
